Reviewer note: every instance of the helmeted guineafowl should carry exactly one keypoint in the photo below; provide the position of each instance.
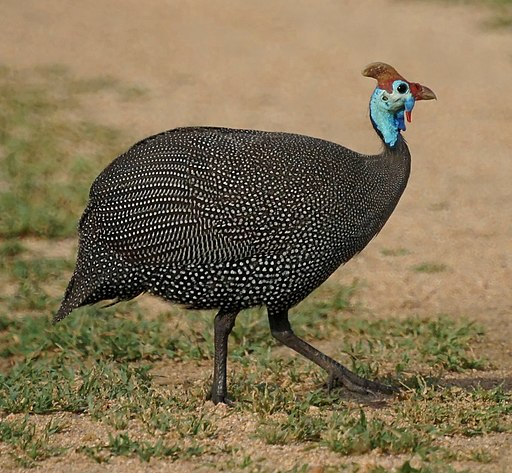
(226, 219)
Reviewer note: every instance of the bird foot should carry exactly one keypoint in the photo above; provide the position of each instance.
(357, 384)
(218, 398)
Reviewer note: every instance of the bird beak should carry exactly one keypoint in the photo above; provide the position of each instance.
(421, 92)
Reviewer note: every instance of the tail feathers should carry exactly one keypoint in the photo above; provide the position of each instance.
(64, 310)
(84, 290)
(75, 296)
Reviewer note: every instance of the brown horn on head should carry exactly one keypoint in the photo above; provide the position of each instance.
(384, 73)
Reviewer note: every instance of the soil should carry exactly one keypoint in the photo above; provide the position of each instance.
(295, 66)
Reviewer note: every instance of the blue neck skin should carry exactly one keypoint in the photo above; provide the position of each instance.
(387, 116)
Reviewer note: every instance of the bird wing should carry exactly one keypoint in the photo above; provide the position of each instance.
(176, 198)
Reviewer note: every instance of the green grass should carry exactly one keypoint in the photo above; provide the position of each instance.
(30, 444)
(430, 267)
(123, 445)
(500, 11)
(49, 153)
(395, 252)
(142, 380)
(101, 367)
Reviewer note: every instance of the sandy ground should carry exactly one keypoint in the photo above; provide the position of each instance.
(295, 66)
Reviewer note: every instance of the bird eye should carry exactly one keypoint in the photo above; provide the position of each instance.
(402, 88)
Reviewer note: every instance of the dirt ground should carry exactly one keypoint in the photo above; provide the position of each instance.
(295, 66)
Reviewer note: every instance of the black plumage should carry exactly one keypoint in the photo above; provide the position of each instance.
(226, 219)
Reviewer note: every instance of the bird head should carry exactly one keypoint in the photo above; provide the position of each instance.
(392, 100)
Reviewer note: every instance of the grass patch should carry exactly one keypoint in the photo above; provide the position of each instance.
(30, 444)
(96, 364)
(347, 432)
(50, 154)
(500, 12)
(415, 427)
(456, 411)
(123, 445)
(352, 433)
(430, 268)
(395, 251)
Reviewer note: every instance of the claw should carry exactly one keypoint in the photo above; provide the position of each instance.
(359, 385)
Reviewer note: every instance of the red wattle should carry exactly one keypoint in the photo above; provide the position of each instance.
(408, 115)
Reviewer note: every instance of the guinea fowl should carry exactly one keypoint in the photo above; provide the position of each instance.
(227, 219)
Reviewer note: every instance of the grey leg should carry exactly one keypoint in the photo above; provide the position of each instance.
(282, 331)
(224, 323)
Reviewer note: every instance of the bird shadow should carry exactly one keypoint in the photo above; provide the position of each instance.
(479, 382)
(417, 383)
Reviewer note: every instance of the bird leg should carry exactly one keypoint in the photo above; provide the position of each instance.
(224, 323)
(282, 331)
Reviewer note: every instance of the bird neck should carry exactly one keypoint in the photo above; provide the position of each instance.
(393, 167)
(386, 123)
(387, 174)
(398, 153)
(390, 169)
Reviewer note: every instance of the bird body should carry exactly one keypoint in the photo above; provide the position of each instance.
(222, 218)
(218, 218)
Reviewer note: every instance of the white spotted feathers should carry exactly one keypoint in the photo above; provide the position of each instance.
(224, 218)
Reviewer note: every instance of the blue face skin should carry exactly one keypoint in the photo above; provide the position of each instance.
(387, 110)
